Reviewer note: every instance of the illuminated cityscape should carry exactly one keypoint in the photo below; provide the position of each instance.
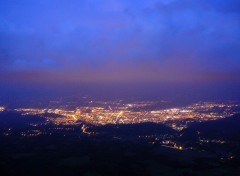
(85, 120)
(104, 113)
(2, 108)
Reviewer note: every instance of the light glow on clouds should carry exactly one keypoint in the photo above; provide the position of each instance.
(120, 40)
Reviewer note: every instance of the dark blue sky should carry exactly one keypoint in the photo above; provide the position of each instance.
(120, 41)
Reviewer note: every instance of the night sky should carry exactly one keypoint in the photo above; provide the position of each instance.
(158, 41)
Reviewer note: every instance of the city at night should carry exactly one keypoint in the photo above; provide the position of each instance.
(120, 87)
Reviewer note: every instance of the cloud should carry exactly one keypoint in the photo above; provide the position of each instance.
(117, 40)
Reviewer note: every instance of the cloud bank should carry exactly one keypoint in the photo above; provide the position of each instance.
(120, 40)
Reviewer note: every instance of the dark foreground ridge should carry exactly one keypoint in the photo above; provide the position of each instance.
(207, 148)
